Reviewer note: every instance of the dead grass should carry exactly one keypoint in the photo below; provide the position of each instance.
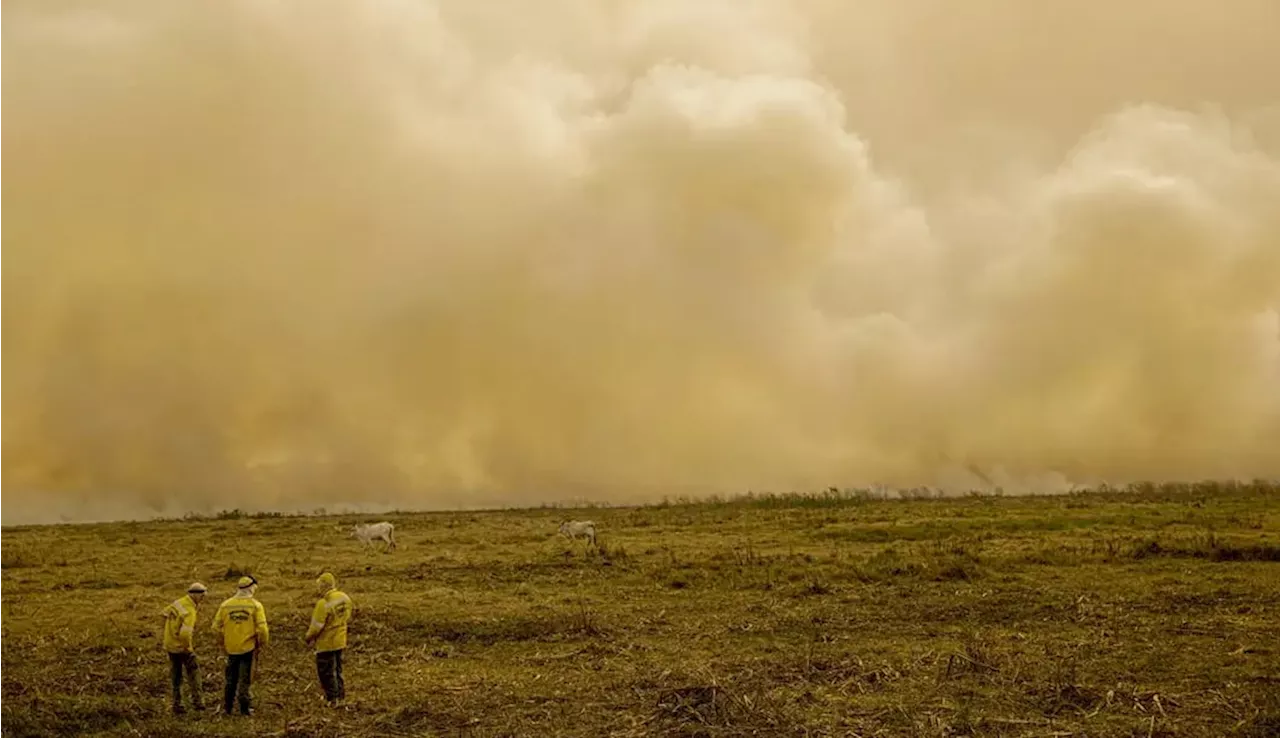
(1143, 612)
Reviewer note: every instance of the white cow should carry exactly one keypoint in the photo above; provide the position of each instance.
(574, 528)
(369, 532)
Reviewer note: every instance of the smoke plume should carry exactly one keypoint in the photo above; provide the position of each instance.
(293, 254)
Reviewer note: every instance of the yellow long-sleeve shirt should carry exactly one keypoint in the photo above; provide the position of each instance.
(329, 621)
(242, 622)
(180, 625)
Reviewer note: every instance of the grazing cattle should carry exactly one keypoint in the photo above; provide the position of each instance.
(369, 532)
(574, 528)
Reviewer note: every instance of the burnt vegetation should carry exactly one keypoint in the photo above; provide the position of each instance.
(1147, 611)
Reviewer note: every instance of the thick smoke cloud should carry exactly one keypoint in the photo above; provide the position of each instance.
(288, 255)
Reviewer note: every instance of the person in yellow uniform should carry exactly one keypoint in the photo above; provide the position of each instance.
(179, 641)
(242, 622)
(328, 634)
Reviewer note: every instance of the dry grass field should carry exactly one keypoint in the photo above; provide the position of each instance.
(1153, 611)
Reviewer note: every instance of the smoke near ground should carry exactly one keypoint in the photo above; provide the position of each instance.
(289, 255)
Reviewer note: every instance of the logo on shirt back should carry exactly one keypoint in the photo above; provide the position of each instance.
(239, 616)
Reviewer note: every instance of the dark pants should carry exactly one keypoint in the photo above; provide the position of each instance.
(178, 663)
(239, 679)
(329, 667)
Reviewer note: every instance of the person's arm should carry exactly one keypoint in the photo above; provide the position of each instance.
(168, 613)
(187, 631)
(218, 621)
(260, 625)
(319, 617)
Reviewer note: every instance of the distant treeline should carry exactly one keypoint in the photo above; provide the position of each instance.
(832, 497)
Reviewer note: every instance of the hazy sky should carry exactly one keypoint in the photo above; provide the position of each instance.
(291, 254)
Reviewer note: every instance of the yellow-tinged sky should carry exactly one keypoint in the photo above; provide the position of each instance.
(294, 254)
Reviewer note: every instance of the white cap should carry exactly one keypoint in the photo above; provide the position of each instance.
(197, 588)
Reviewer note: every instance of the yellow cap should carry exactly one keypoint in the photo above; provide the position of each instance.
(326, 580)
(246, 581)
